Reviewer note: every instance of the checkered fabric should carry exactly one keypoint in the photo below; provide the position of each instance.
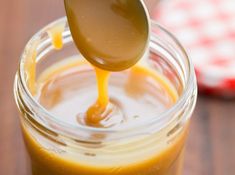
(206, 28)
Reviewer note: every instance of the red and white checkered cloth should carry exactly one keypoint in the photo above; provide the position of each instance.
(206, 28)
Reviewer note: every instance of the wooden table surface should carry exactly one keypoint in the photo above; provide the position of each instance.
(210, 147)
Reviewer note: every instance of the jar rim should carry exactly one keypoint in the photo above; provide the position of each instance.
(188, 89)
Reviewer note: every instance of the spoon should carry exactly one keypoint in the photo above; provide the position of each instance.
(110, 34)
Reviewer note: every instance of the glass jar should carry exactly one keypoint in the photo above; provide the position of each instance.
(153, 146)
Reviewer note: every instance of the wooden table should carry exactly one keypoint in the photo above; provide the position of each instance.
(211, 145)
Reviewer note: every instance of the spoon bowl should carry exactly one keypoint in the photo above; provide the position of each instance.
(110, 34)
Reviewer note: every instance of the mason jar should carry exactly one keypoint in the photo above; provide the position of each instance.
(154, 146)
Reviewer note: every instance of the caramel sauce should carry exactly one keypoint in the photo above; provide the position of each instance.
(96, 112)
(30, 66)
(158, 157)
(55, 34)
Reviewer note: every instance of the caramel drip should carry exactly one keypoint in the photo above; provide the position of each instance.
(96, 112)
(30, 66)
(55, 34)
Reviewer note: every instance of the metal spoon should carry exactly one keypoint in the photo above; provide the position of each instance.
(110, 34)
